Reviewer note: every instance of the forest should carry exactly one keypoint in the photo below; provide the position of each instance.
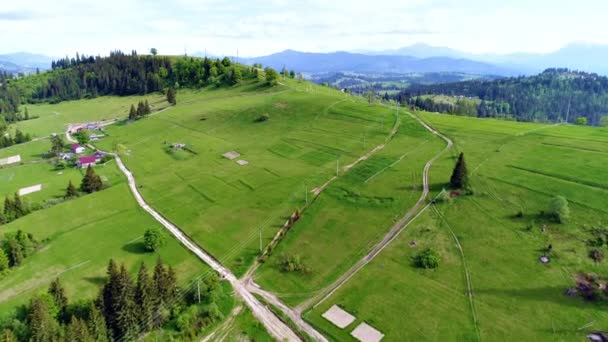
(554, 95)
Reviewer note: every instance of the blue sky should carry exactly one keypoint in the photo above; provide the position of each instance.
(262, 27)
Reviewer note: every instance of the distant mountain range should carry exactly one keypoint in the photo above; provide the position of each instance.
(420, 58)
(24, 62)
(578, 56)
(355, 62)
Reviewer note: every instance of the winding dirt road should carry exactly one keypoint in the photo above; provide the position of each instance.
(271, 322)
(397, 228)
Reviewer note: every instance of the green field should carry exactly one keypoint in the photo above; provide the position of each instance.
(224, 206)
(514, 167)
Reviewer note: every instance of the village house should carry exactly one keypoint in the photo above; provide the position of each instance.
(86, 161)
(76, 148)
(65, 156)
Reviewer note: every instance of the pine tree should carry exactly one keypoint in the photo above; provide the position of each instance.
(9, 209)
(460, 176)
(144, 299)
(41, 323)
(97, 325)
(15, 253)
(147, 109)
(70, 191)
(132, 113)
(171, 98)
(19, 209)
(171, 279)
(8, 336)
(57, 291)
(91, 181)
(77, 331)
(141, 110)
(124, 307)
(108, 295)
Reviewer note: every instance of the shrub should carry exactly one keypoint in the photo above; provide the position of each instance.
(428, 258)
(292, 263)
(559, 210)
(262, 118)
(596, 255)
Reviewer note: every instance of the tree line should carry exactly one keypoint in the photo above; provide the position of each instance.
(15, 247)
(553, 95)
(125, 308)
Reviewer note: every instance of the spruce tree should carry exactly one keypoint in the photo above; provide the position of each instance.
(15, 253)
(147, 109)
(140, 109)
(91, 181)
(9, 209)
(460, 175)
(171, 283)
(70, 191)
(132, 113)
(97, 325)
(144, 299)
(171, 98)
(108, 296)
(19, 208)
(77, 331)
(57, 292)
(41, 324)
(8, 336)
(124, 307)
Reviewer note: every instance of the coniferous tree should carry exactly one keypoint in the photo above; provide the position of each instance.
(56, 144)
(8, 336)
(460, 175)
(4, 262)
(171, 98)
(57, 292)
(41, 324)
(97, 325)
(70, 191)
(144, 299)
(147, 109)
(76, 331)
(15, 253)
(19, 208)
(9, 209)
(108, 296)
(124, 307)
(91, 181)
(141, 110)
(132, 113)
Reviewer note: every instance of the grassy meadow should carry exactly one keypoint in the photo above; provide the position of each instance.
(513, 167)
(223, 206)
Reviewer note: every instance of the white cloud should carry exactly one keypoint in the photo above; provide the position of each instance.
(260, 27)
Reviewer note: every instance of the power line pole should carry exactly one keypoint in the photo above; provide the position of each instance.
(198, 289)
(337, 167)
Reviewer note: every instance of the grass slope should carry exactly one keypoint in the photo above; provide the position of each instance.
(514, 296)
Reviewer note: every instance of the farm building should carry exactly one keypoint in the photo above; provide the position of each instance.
(65, 156)
(76, 148)
(86, 161)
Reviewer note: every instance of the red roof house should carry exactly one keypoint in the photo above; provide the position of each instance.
(76, 148)
(85, 161)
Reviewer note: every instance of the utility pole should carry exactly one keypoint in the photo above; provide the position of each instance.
(337, 167)
(260, 240)
(198, 289)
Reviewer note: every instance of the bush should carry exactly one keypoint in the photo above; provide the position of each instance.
(292, 263)
(263, 117)
(153, 240)
(596, 255)
(428, 258)
(559, 210)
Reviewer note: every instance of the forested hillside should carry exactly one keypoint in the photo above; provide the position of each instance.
(554, 95)
(118, 74)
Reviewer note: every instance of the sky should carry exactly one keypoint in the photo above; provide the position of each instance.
(254, 28)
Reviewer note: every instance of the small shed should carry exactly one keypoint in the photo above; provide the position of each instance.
(76, 148)
(231, 155)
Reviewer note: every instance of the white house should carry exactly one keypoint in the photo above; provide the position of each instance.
(76, 148)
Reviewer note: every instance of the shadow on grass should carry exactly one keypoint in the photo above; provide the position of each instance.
(135, 248)
(96, 280)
